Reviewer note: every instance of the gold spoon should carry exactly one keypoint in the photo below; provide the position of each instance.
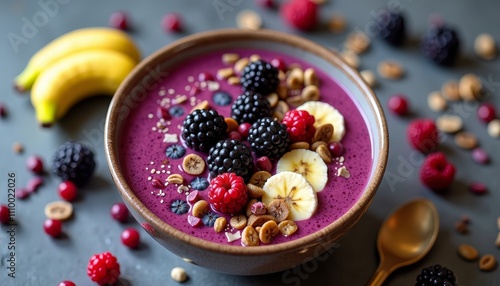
(405, 237)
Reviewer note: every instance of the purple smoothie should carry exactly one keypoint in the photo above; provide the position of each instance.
(142, 146)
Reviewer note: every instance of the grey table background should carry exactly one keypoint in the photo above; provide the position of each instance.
(45, 261)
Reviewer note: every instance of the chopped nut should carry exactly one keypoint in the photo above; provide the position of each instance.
(497, 241)
(470, 87)
(225, 73)
(494, 128)
(369, 77)
(357, 42)
(18, 148)
(240, 65)
(484, 46)
(350, 58)
(200, 208)
(175, 179)
(230, 58)
(254, 58)
(467, 252)
(465, 140)
(273, 99)
(248, 19)
(436, 101)
(202, 105)
(233, 236)
(450, 90)
(337, 24)
(449, 123)
(220, 224)
(233, 80)
(390, 69)
(461, 227)
(343, 172)
(487, 262)
(178, 274)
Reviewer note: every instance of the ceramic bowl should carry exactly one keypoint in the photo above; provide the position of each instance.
(237, 259)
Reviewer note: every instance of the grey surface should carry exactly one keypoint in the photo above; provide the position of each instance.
(45, 261)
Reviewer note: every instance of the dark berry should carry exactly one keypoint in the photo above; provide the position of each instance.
(260, 77)
(130, 237)
(249, 107)
(176, 111)
(53, 227)
(75, 162)
(423, 135)
(441, 44)
(199, 183)
(171, 23)
(201, 129)
(269, 138)
(230, 156)
(244, 129)
(35, 164)
(436, 276)
(103, 268)
(486, 112)
(398, 104)
(66, 283)
(175, 151)
(222, 98)
(67, 190)
(179, 207)
(436, 172)
(4, 214)
(209, 219)
(390, 26)
(228, 193)
(118, 20)
(120, 212)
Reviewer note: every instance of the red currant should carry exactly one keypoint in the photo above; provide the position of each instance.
(35, 164)
(4, 214)
(130, 237)
(244, 129)
(279, 64)
(67, 190)
(53, 227)
(398, 104)
(118, 20)
(486, 112)
(120, 212)
(266, 3)
(336, 149)
(66, 283)
(171, 23)
(203, 76)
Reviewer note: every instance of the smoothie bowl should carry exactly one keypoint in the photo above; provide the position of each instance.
(246, 152)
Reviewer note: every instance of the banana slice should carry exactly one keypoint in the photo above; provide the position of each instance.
(295, 191)
(307, 163)
(325, 113)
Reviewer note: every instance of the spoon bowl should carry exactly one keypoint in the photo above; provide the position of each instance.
(405, 237)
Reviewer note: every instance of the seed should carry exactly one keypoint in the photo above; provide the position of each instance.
(193, 164)
(240, 65)
(337, 24)
(259, 178)
(295, 78)
(357, 42)
(436, 101)
(390, 69)
(310, 92)
(369, 77)
(18, 148)
(449, 123)
(259, 220)
(230, 58)
(287, 227)
(175, 179)
(220, 224)
(450, 90)
(487, 262)
(200, 208)
(225, 73)
(324, 153)
(249, 236)
(279, 209)
(298, 145)
(233, 80)
(465, 140)
(467, 252)
(202, 105)
(178, 274)
(350, 58)
(470, 87)
(59, 210)
(310, 77)
(254, 191)
(484, 46)
(461, 227)
(273, 99)
(268, 231)
(232, 124)
(494, 128)
(248, 19)
(323, 133)
(238, 221)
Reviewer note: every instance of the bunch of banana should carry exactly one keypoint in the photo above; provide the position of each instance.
(77, 65)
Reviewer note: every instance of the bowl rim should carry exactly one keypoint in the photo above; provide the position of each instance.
(220, 36)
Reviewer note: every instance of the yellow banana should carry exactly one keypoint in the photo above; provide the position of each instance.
(75, 77)
(72, 42)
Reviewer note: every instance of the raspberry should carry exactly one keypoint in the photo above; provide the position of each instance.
(299, 125)
(423, 135)
(228, 193)
(301, 14)
(436, 172)
(103, 268)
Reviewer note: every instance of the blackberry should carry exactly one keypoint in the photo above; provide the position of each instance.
(230, 156)
(249, 107)
(441, 44)
(73, 161)
(436, 276)
(260, 77)
(269, 138)
(390, 27)
(201, 129)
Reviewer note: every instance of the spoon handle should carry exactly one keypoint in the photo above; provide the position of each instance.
(379, 276)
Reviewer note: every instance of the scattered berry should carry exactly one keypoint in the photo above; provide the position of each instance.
(235, 135)
(118, 20)
(441, 45)
(222, 98)
(336, 149)
(301, 14)
(162, 113)
(53, 227)
(480, 156)
(209, 219)
(203, 128)
(66, 283)
(22, 193)
(249, 107)
(3, 111)
(130, 237)
(228, 193)
(436, 172)
(175, 151)
(176, 111)
(279, 64)
(269, 138)
(244, 129)
(390, 27)
(398, 104)
(199, 183)
(67, 191)
(103, 269)
(4, 214)
(299, 125)
(486, 112)
(171, 23)
(436, 276)
(478, 188)
(266, 3)
(423, 135)
(34, 184)
(194, 221)
(193, 197)
(230, 156)
(203, 76)
(120, 212)
(264, 164)
(179, 207)
(75, 162)
(260, 77)
(35, 164)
